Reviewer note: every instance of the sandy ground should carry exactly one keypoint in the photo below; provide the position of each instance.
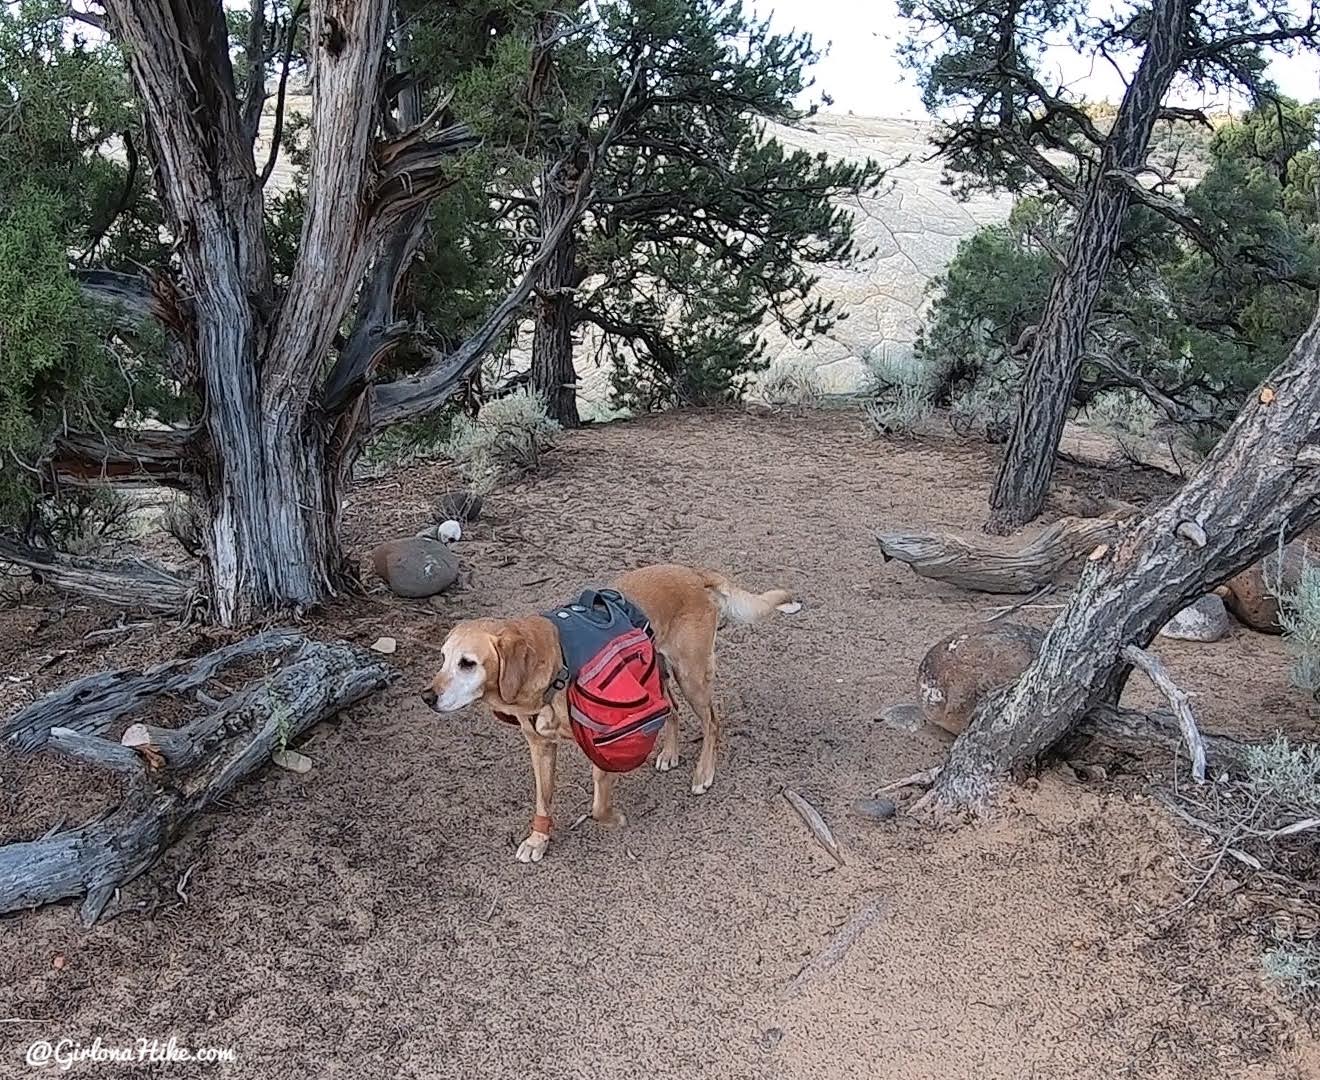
(368, 919)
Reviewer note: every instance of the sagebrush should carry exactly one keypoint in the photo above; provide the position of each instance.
(792, 386)
(506, 439)
(1299, 615)
(899, 393)
(1294, 969)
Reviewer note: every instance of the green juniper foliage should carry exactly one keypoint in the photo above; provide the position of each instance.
(62, 201)
(705, 223)
(1203, 328)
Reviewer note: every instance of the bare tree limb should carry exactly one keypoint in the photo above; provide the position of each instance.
(1043, 560)
(446, 372)
(84, 459)
(90, 705)
(277, 128)
(1178, 700)
(316, 681)
(124, 583)
(94, 750)
(254, 98)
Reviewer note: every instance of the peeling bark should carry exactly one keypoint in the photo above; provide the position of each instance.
(1055, 363)
(209, 756)
(126, 583)
(1045, 559)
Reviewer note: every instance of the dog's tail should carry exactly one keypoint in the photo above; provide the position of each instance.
(736, 604)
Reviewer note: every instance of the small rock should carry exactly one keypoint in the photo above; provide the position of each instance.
(292, 760)
(958, 672)
(386, 645)
(451, 532)
(1205, 620)
(59, 961)
(458, 506)
(416, 567)
(903, 717)
(877, 809)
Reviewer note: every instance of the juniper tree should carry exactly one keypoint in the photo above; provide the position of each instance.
(701, 224)
(1010, 125)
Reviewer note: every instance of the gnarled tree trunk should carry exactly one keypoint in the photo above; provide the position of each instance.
(553, 374)
(1055, 363)
(1260, 486)
(268, 461)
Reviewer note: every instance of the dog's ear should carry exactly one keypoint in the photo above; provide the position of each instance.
(516, 660)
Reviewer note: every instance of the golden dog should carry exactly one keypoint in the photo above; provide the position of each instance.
(509, 665)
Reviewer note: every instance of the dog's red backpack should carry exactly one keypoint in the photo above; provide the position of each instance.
(616, 695)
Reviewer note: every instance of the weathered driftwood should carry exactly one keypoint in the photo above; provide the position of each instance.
(1178, 701)
(127, 583)
(811, 818)
(175, 774)
(1048, 558)
(844, 939)
(91, 704)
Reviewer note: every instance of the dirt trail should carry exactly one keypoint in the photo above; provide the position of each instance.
(368, 920)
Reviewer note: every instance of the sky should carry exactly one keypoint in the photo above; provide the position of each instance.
(862, 74)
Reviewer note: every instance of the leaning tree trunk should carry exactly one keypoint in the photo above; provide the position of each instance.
(1055, 363)
(553, 374)
(1260, 487)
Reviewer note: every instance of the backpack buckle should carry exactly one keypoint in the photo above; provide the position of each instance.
(559, 682)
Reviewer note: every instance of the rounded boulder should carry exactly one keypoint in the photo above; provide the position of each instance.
(1250, 594)
(1205, 620)
(957, 673)
(415, 567)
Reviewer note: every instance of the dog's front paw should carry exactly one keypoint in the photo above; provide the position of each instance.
(613, 818)
(666, 759)
(533, 848)
(701, 784)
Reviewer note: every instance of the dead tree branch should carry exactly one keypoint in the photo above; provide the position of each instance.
(1178, 700)
(127, 583)
(314, 681)
(1044, 560)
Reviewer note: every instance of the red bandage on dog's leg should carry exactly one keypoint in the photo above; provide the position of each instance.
(542, 824)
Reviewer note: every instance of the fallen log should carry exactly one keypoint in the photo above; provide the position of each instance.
(202, 760)
(1048, 558)
(126, 583)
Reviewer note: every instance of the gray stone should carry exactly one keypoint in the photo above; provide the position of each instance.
(877, 809)
(458, 506)
(1205, 620)
(415, 567)
(903, 717)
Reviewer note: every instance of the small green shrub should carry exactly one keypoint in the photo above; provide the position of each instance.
(1122, 413)
(1299, 614)
(405, 444)
(83, 522)
(792, 386)
(1293, 968)
(1285, 775)
(986, 406)
(508, 438)
(899, 392)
